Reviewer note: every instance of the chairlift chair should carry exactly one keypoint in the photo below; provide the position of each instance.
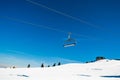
(69, 42)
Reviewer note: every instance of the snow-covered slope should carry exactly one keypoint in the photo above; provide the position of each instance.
(99, 70)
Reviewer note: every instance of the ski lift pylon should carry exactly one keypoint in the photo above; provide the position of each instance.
(70, 41)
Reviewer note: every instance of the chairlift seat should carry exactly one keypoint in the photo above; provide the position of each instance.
(68, 45)
(70, 42)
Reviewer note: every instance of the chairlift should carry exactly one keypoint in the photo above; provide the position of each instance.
(69, 42)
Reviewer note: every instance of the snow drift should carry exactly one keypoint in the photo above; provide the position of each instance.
(99, 70)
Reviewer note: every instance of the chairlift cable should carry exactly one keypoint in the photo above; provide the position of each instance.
(62, 13)
(43, 26)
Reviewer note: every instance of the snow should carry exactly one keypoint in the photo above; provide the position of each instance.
(99, 70)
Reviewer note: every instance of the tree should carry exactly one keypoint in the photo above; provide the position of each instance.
(42, 65)
(54, 64)
(99, 58)
(28, 66)
(59, 64)
(14, 67)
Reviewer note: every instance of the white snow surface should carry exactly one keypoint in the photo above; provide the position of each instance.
(73, 71)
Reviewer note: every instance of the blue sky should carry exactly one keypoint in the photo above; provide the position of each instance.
(31, 33)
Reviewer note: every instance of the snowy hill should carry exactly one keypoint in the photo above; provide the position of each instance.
(99, 70)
